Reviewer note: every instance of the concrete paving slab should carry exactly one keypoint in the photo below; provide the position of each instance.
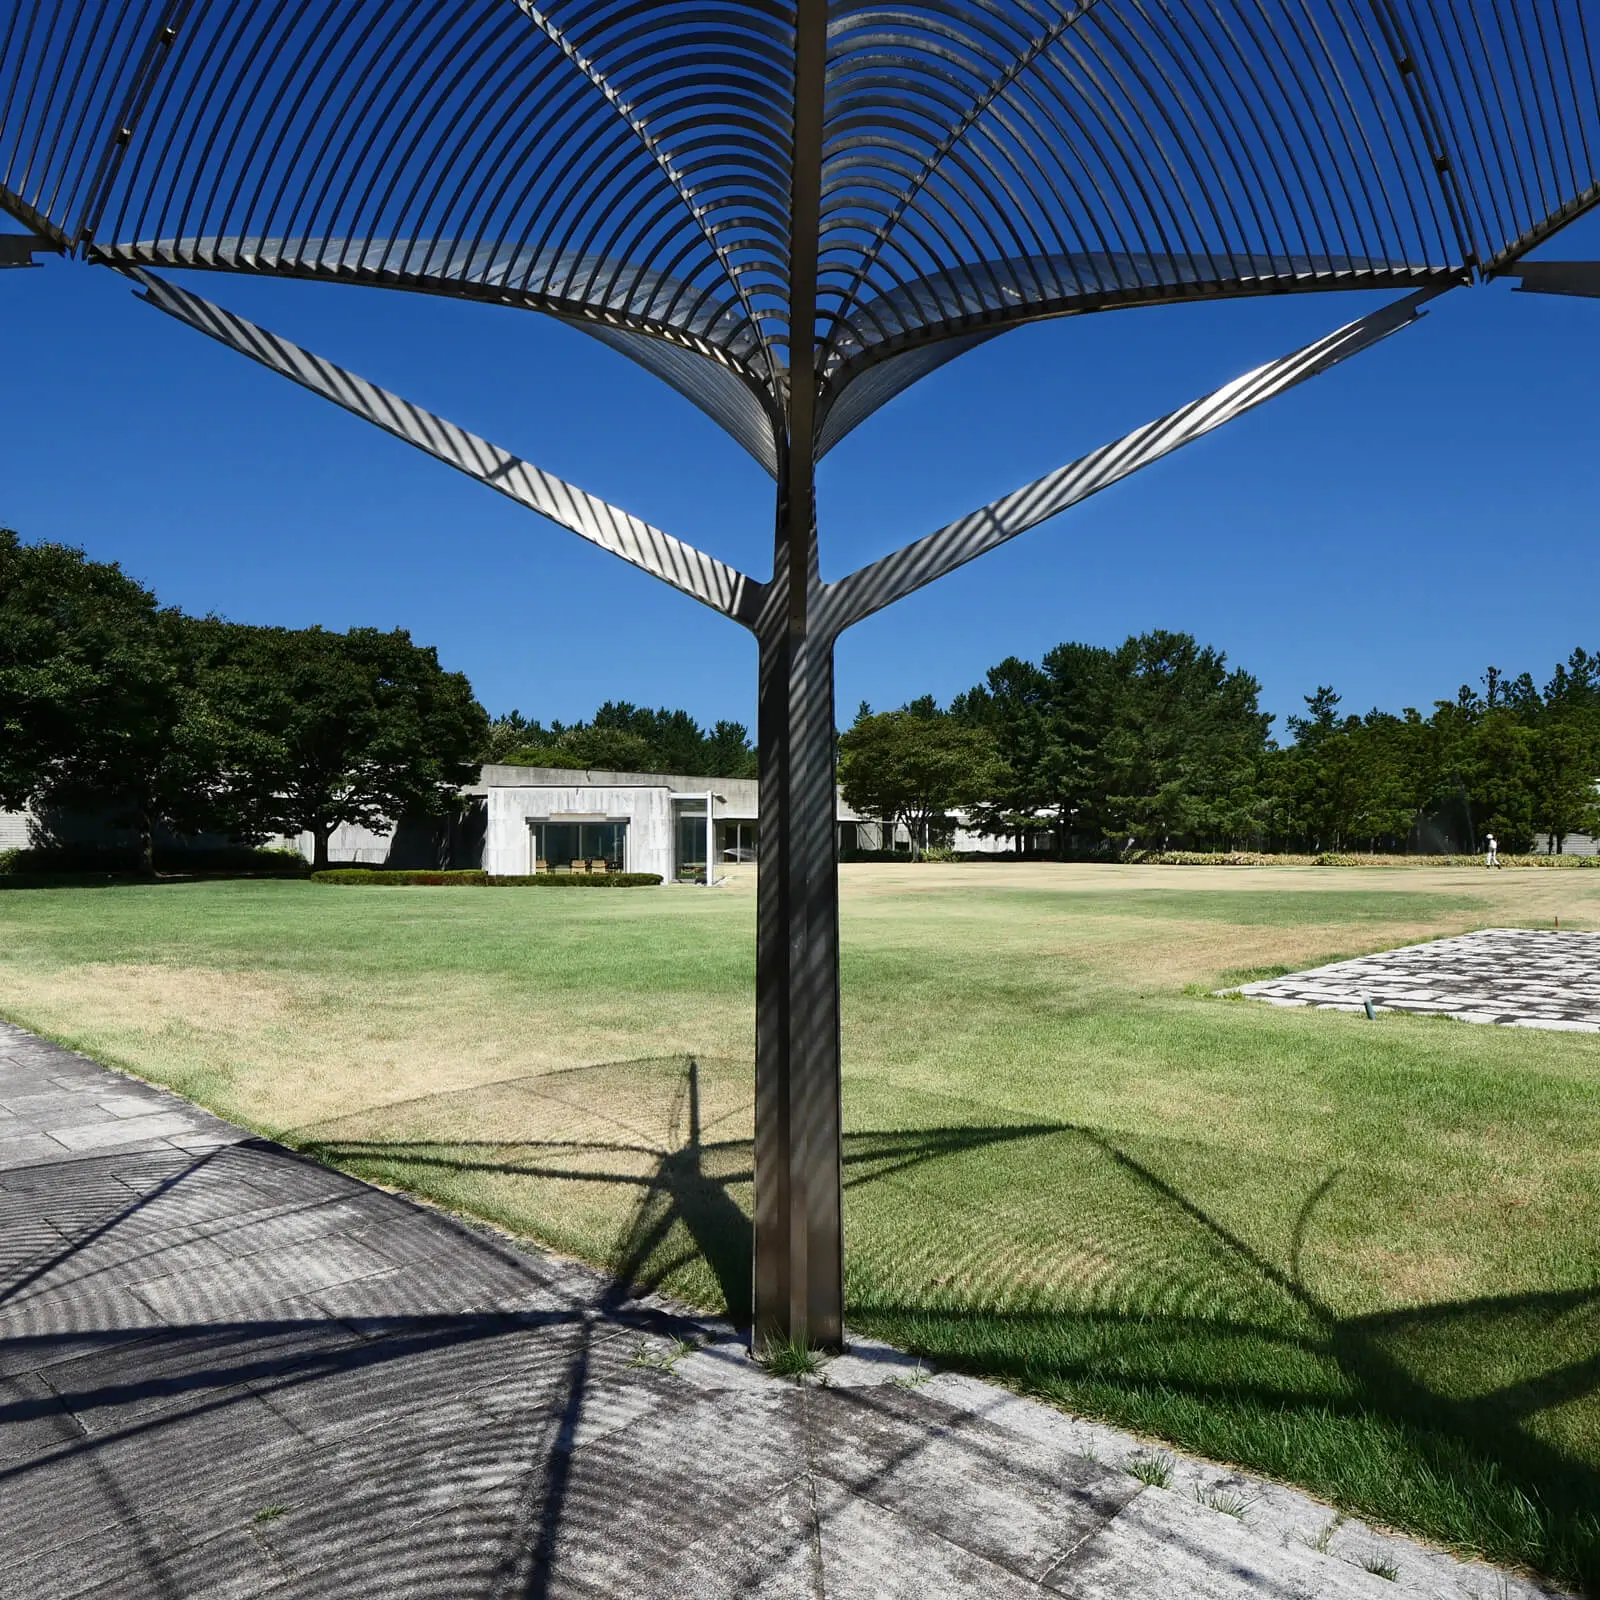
(123, 1130)
(867, 1553)
(255, 1284)
(936, 1466)
(1166, 1544)
(229, 1371)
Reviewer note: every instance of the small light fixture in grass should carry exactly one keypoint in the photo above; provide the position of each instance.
(790, 1358)
(1370, 1009)
(1153, 1471)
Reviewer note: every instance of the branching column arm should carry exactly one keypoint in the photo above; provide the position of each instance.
(702, 577)
(1580, 278)
(883, 582)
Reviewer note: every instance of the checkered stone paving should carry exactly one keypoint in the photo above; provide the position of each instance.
(1518, 977)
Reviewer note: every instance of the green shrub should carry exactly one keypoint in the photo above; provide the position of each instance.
(579, 880)
(1331, 858)
(1335, 858)
(380, 878)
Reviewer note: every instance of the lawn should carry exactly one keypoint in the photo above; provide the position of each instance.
(1360, 1256)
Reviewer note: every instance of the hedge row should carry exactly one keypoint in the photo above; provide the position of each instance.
(65, 880)
(377, 878)
(579, 880)
(107, 860)
(475, 879)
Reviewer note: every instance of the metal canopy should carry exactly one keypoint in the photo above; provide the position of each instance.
(968, 164)
(790, 211)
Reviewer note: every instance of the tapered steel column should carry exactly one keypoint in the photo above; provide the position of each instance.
(799, 1242)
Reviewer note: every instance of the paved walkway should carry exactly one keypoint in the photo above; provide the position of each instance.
(1521, 977)
(226, 1371)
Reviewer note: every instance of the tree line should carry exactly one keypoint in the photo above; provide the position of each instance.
(148, 718)
(140, 716)
(1159, 744)
(152, 719)
(621, 737)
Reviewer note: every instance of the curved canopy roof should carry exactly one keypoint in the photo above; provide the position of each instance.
(694, 181)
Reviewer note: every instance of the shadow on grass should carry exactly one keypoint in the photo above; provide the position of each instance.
(1416, 1416)
(686, 1191)
(1082, 1274)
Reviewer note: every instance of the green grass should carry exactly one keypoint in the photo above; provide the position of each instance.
(1361, 1257)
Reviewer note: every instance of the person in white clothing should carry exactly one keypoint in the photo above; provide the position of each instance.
(1493, 857)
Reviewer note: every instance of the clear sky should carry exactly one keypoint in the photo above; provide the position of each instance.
(1391, 527)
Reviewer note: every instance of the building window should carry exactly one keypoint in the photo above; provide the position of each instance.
(563, 846)
(689, 842)
(736, 841)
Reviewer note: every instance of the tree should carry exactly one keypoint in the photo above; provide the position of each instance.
(1186, 742)
(1564, 766)
(1012, 706)
(362, 727)
(99, 704)
(1500, 778)
(177, 768)
(77, 639)
(626, 738)
(1350, 780)
(915, 766)
(1049, 723)
(509, 734)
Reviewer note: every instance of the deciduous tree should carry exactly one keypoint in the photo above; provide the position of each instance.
(915, 766)
(361, 727)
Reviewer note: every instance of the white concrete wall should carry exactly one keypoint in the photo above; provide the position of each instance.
(14, 830)
(1575, 844)
(347, 843)
(995, 844)
(508, 842)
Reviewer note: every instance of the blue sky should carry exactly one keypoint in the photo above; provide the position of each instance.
(1391, 527)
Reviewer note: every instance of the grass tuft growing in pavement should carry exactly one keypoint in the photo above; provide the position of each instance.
(1154, 1472)
(790, 1358)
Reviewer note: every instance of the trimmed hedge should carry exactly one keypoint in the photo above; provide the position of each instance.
(472, 878)
(66, 880)
(377, 877)
(95, 860)
(580, 880)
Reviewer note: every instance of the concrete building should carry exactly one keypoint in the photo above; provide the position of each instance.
(543, 819)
